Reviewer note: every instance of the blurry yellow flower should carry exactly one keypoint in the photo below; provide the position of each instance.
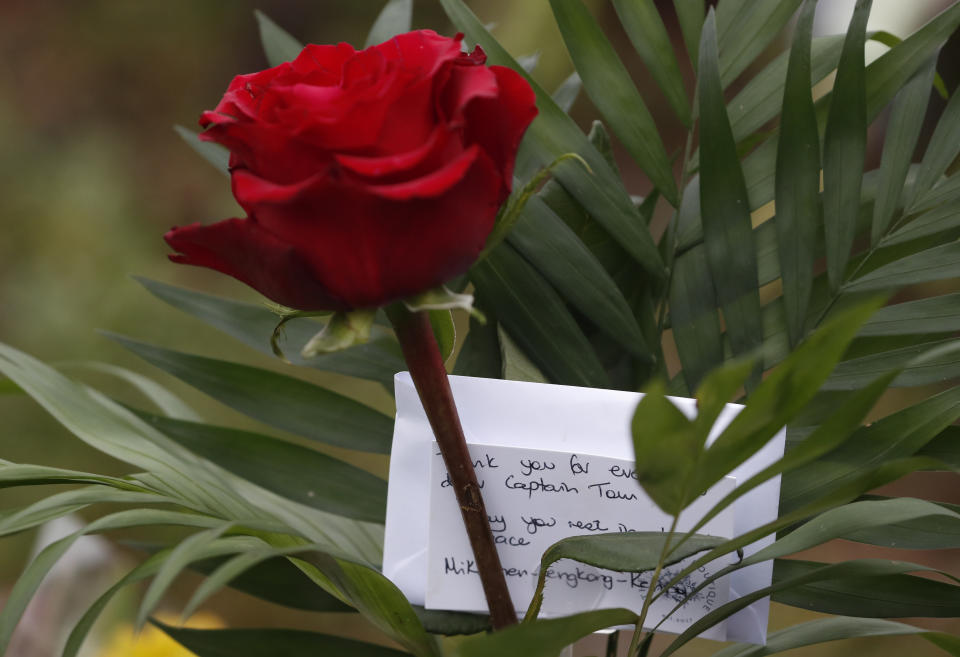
(152, 642)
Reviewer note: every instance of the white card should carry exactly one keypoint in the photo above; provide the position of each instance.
(535, 498)
(568, 419)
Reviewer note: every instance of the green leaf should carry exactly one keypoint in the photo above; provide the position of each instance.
(612, 90)
(556, 251)
(798, 180)
(932, 315)
(644, 27)
(452, 623)
(445, 331)
(566, 94)
(278, 581)
(934, 532)
(896, 436)
(844, 147)
(761, 21)
(899, 143)
(30, 579)
(823, 630)
(938, 263)
(167, 402)
(945, 191)
(543, 638)
(281, 401)
(146, 569)
(937, 220)
(826, 437)
(480, 353)
(847, 569)
(924, 363)
(943, 148)
(945, 447)
(213, 153)
(553, 134)
(516, 365)
(781, 395)
(693, 315)
(177, 560)
(727, 230)
(377, 598)
(252, 324)
(304, 475)
(537, 318)
(632, 552)
(690, 14)
(881, 596)
(667, 447)
(270, 642)
(278, 45)
(847, 520)
(394, 19)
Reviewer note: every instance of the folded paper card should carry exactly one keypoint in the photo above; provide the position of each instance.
(563, 458)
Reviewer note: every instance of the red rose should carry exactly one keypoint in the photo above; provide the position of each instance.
(367, 176)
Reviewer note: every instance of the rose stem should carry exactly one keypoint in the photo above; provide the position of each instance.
(429, 375)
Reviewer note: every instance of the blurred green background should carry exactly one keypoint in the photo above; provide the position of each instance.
(91, 176)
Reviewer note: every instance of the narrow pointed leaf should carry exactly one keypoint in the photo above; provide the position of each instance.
(896, 436)
(304, 475)
(903, 130)
(933, 532)
(942, 219)
(378, 360)
(943, 149)
(556, 251)
(922, 364)
(781, 395)
(213, 153)
(281, 401)
(644, 27)
(612, 90)
(516, 365)
(761, 21)
(693, 314)
(553, 134)
(892, 595)
(537, 318)
(270, 642)
(798, 180)
(939, 263)
(847, 569)
(824, 630)
(394, 19)
(727, 229)
(566, 94)
(278, 45)
(844, 147)
(480, 353)
(186, 551)
(690, 14)
(945, 191)
(543, 638)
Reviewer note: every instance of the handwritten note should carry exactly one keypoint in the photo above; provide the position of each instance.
(584, 433)
(534, 498)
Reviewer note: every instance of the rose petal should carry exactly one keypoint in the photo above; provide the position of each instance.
(433, 184)
(384, 165)
(240, 248)
(497, 124)
(466, 84)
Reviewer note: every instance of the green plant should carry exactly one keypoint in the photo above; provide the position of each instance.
(580, 293)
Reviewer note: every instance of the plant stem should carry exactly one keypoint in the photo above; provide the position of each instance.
(430, 378)
(638, 630)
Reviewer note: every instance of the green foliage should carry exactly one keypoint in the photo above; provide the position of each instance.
(576, 289)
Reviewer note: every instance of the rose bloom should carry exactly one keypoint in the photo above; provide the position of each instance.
(367, 176)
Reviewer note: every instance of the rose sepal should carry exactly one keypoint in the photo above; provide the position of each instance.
(343, 330)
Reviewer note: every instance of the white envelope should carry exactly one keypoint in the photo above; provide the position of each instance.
(562, 418)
